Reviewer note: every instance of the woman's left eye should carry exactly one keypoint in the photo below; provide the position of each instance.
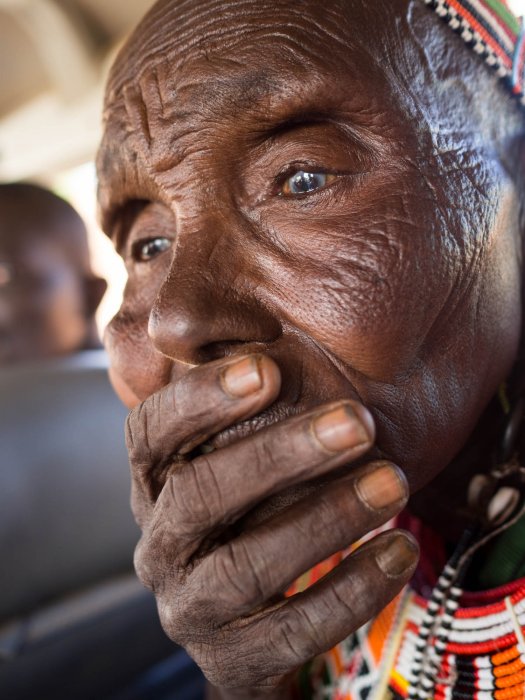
(302, 182)
(146, 250)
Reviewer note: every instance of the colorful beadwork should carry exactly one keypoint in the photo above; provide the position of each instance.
(493, 32)
(483, 658)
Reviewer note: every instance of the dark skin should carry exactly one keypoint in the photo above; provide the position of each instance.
(266, 307)
(48, 292)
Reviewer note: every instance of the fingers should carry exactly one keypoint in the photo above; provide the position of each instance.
(206, 400)
(215, 592)
(316, 620)
(216, 489)
(276, 641)
(257, 565)
(182, 415)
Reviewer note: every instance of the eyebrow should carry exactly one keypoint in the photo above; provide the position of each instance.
(294, 98)
(251, 92)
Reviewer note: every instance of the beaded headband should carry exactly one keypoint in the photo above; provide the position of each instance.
(493, 32)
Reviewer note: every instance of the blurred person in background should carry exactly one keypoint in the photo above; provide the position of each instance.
(62, 461)
(48, 292)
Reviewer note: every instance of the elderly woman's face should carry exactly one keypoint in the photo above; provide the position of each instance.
(286, 177)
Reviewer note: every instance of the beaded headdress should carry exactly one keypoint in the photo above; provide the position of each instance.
(492, 31)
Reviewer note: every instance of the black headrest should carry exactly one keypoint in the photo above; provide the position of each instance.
(64, 481)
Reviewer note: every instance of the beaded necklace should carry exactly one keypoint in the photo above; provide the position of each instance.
(449, 645)
(455, 645)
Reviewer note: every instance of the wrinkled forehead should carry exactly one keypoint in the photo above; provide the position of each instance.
(242, 66)
(196, 40)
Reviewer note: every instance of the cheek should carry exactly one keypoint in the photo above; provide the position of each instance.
(369, 300)
(424, 323)
(122, 390)
(137, 370)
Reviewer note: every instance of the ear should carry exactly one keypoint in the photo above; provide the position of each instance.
(94, 290)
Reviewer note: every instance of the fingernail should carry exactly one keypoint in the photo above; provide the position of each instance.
(400, 555)
(242, 378)
(382, 487)
(340, 429)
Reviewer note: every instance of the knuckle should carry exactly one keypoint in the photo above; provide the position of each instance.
(170, 620)
(186, 619)
(264, 459)
(140, 459)
(136, 434)
(195, 496)
(338, 601)
(335, 513)
(239, 576)
(141, 503)
(295, 635)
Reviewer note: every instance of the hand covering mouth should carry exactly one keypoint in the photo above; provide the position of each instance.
(276, 502)
(243, 429)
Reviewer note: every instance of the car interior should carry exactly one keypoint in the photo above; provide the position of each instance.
(74, 620)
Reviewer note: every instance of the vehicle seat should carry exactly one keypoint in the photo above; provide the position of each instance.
(74, 621)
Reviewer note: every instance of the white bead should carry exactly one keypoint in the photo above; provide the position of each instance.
(502, 504)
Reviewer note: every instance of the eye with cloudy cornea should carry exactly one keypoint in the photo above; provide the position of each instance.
(149, 248)
(303, 182)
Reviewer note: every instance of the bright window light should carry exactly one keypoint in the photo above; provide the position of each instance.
(78, 186)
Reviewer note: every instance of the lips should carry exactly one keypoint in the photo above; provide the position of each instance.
(244, 429)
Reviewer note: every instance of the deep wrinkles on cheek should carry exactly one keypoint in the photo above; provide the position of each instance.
(361, 274)
(468, 244)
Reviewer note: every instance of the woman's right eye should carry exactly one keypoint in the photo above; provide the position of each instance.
(149, 248)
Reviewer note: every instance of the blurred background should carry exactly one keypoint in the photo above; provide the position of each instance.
(54, 58)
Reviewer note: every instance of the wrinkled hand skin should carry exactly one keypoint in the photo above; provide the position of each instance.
(395, 286)
(218, 564)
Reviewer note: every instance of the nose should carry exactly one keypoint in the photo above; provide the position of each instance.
(208, 304)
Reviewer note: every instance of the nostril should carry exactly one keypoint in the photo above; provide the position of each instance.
(199, 325)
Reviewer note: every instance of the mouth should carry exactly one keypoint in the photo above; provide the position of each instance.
(246, 428)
